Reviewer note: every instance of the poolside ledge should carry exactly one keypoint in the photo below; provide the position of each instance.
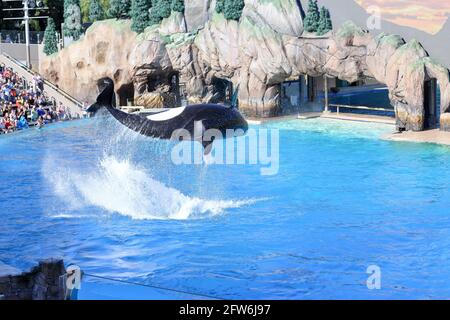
(435, 136)
(334, 116)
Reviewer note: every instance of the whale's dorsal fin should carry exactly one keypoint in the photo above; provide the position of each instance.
(105, 99)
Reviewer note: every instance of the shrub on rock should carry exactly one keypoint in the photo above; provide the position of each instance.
(232, 9)
(178, 5)
(220, 4)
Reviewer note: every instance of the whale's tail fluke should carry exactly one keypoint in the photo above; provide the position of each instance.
(105, 99)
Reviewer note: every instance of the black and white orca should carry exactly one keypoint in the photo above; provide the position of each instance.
(195, 119)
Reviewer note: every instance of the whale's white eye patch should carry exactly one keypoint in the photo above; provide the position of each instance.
(166, 115)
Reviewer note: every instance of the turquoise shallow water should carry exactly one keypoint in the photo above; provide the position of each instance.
(113, 203)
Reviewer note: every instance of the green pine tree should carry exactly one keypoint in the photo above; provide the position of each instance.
(220, 4)
(72, 19)
(139, 15)
(178, 5)
(84, 6)
(328, 22)
(119, 9)
(233, 9)
(311, 22)
(154, 17)
(165, 8)
(161, 9)
(95, 11)
(322, 22)
(325, 24)
(50, 40)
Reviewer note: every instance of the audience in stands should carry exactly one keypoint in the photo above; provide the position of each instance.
(25, 104)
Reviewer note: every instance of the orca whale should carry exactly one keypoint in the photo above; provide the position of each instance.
(195, 119)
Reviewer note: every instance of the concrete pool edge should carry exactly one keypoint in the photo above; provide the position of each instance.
(315, 115)
(434, 136)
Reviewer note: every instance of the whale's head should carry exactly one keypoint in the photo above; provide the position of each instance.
(215, 122)
(223, 119)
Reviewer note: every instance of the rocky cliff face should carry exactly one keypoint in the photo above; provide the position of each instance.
(43, 282)
(109, 50)
(259, 52)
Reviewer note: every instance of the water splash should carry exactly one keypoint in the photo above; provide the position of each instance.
(120, 186)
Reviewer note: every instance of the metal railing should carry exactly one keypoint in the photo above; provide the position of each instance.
(342, 106)
(14, 36)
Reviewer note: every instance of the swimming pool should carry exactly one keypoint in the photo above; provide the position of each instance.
(112, 202)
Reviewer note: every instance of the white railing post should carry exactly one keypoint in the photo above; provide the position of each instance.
(27, 33)
(326, 94)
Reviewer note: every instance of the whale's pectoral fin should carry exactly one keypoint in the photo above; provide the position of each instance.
(207, 147)
(199, 131)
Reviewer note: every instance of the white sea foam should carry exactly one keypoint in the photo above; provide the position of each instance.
(119, 186)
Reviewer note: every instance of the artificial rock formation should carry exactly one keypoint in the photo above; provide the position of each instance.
(43, 282)
(110, 50)
(263, 49)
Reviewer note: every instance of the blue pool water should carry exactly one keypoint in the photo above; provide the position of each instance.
(112, 202)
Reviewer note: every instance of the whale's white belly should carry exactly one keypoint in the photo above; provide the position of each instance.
(166, 115)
